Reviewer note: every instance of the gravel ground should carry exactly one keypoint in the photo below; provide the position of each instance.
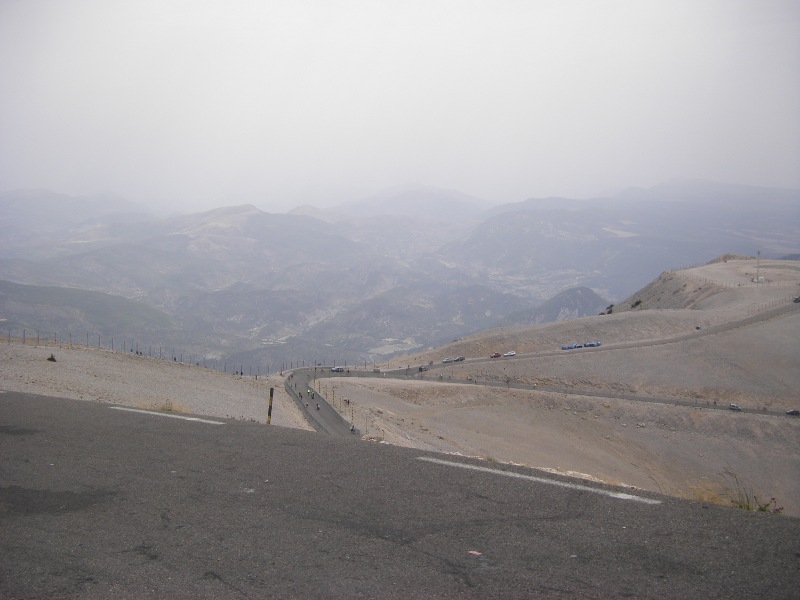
(676, 450)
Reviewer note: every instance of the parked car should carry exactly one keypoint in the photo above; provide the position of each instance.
(735, 407)
(591, 344)
(423, 368)
(495, 355)
(459, 358)
(794, 412)
(510, 353)
(449, 359)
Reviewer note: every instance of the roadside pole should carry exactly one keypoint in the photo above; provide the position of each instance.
(269, 410)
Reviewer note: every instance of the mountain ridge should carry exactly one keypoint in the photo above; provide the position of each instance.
(234, 276)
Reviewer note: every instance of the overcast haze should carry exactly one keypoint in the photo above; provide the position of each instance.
(199, 104)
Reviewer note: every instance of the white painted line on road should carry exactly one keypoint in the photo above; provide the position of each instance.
(161, 414)
(564, 484)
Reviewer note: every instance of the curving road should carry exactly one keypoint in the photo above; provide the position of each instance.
(301, 386)
(327, 422)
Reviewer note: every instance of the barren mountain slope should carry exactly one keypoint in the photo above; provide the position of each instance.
(116, 377)
(677, 449)
(746, 351)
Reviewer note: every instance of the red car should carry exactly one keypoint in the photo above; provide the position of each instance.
(495, 355)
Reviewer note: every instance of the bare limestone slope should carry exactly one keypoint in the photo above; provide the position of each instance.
(115, 377)
(703, 337)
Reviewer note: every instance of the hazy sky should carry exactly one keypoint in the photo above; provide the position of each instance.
(201, 103)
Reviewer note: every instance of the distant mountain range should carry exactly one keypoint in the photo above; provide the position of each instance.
(573, 303)
(411, 268)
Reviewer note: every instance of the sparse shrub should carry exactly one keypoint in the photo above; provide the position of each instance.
(635, 304)
(771, 506)
(732, 491)
(741, 495)
(52, 358)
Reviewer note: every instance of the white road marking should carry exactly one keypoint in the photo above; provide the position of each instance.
(161, 414)
(564, 484)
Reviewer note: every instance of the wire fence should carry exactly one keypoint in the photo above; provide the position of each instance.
(752, 280)
(759, 282)
(48, 339)
(763, 256)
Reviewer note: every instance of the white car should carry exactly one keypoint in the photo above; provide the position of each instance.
(449, 359)
(510, 353)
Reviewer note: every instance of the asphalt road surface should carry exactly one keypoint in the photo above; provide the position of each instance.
(302, 386)
(98, 501)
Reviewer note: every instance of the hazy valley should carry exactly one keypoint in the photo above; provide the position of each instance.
(407, 270)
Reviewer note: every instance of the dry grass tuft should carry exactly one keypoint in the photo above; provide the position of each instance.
(731, 491)
(706, 490)
(167, 406)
